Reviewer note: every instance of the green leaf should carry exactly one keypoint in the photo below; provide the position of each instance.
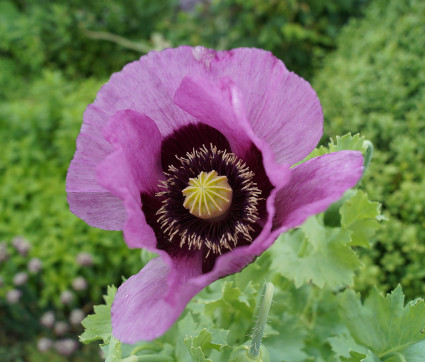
(114, 350)
(384, 325)
(98, 325)
(316, 254)
(372, 357)
(343, 346)
(229, 306)
(414, 353)
(204, 340)
(186, 327)
(195, 341)
(131, 359)
(195, 352)
(290, 339)
(199, 344)
(346, 142)
(360, 216)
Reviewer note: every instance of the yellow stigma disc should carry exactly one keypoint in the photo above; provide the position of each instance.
(208, 196)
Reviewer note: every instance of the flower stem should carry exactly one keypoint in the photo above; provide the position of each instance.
(368, 154)
(263, 312)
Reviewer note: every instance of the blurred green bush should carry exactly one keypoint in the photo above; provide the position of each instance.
(35, 35)
(53, 61)
(46, 56)
(65, 35)
(37, 134)
(299, 32)
(375, 84)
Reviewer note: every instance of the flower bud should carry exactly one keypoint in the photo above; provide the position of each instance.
(34, 265)
(13, 296)
(66, 347)
(20, 278)
(60, 328)
(76, 317)
(21, 245)
(79, 284)
(241, 354)
(66, 297)
(47, 319)
(44, 344)
(84, 259)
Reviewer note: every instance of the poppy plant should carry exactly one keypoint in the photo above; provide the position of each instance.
(189, 152)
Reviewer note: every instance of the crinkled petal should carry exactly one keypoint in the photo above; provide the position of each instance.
(146, 305)
(148, 85)
(221, 105)
(281, 107)
(87, 199)
(314, 185)
(133, 167)
(98, 209)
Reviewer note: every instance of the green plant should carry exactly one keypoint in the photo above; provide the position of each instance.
(35, 35)
(317, 316)
(38, 135)
(299, 33)
(375, 84)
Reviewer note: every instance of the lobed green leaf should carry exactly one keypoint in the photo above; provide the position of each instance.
(361, 217)
(98, 325)
(383, 325)
(316, 254)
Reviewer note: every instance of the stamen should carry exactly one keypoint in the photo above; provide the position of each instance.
(218, 216)
(208, 196)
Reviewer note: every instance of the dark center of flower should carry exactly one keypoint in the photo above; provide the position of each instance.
(209, 200)
(196, 154)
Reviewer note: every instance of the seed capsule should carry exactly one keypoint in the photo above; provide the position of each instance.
(208, 196)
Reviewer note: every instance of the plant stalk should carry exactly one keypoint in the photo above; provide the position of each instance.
(263, 313)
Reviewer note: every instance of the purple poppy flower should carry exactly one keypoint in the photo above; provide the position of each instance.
(35, 265)
(79, 284)
(44, 344)
(66, 297)
(13, 296)
(84, 259)
(20, 278)
(48, 319)
(66, 347)
(188, 151)
(21, 245)
(60, 328)
(76, 317)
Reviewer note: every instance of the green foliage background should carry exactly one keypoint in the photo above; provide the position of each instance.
(54, 56)
(375, 83)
